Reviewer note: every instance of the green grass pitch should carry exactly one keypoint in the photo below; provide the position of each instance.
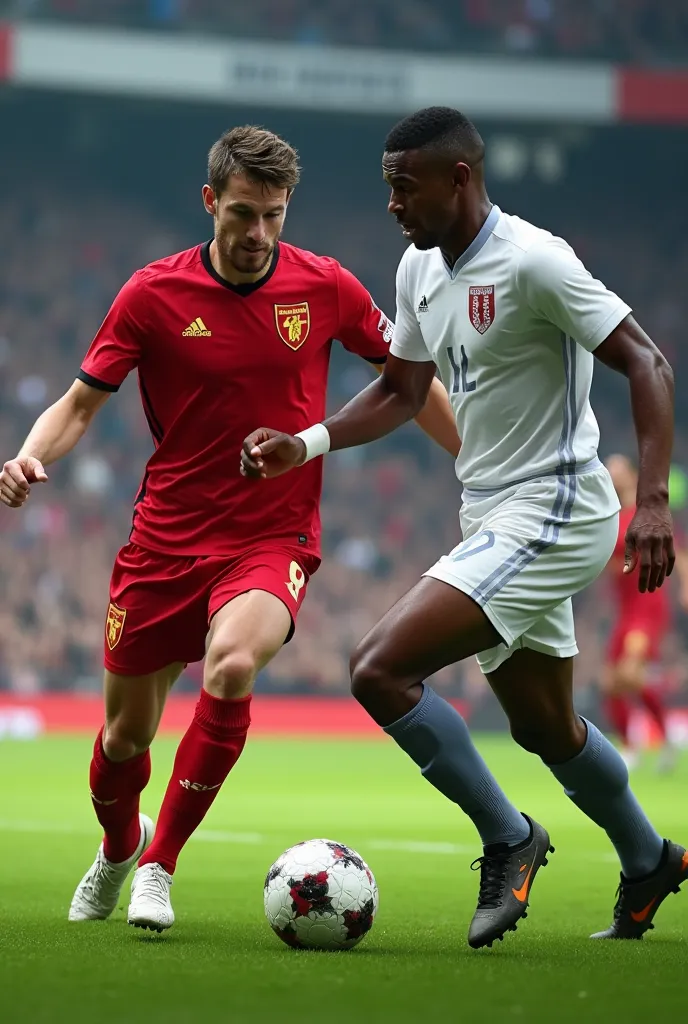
(221, 962)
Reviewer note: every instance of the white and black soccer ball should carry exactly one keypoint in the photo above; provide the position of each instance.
(320, 895)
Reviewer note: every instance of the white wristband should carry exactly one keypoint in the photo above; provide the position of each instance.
(316, 440)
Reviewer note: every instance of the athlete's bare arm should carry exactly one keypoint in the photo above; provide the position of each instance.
(55, 433)
(649, 540)
(436, 418)
(397, 396)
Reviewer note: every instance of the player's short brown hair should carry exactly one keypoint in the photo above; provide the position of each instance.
(259, 154)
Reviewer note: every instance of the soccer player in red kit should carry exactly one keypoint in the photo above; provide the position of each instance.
(233, 331)
(641, 623)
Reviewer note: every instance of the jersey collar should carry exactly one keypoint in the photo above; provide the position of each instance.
(238, 289)
(476, 245)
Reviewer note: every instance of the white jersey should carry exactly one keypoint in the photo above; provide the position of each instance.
(512, 328)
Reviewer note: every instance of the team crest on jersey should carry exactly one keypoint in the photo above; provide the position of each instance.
(481, 306)
(114, 625)
(293, 323)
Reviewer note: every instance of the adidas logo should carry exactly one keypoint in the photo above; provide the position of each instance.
(197, 329)
(423, 305)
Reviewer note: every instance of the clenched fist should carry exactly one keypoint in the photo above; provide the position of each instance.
(266, 453)
(16, 479)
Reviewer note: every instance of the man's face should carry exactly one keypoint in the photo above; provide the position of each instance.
(426, 194)
(248, 221)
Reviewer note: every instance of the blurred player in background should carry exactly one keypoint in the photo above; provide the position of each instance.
(511, 318)
(641, 622)
(237, 329)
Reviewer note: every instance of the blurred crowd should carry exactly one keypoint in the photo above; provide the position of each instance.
(645, 31)
(389, 509)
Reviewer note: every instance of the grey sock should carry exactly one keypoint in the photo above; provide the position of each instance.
(597, 782)
(436, 737)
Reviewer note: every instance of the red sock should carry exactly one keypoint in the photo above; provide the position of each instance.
(653, 702)
(618, 712)
(208, 751)
(115, 790)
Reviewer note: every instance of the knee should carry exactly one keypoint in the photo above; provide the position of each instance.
(552, 739)
(369, 678)
(380, 685)
(124, 738)
(230, 673)
(529, 735)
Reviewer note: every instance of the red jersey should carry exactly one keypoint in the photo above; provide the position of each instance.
(631, 603)
(215, 361)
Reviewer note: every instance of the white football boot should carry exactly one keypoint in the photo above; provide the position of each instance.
(98, 891)
(150, 905)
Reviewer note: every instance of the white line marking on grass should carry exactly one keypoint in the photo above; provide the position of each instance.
(256, 839)
(43, 826)
(411, 846)
(205, 835)
(249, 838)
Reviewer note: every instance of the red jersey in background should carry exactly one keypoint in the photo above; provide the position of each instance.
(648, 613)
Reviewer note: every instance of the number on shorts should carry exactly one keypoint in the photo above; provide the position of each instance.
(297, 578)
(473, 546)
(461, 381)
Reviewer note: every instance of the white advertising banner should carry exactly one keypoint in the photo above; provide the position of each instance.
(308, 77)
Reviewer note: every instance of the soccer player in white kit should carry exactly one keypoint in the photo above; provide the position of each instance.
(512, 320)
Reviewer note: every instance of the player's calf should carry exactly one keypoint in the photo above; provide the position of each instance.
(596, 780)
(115, 793)
(209, 749)
(245, 634)
(133, 707)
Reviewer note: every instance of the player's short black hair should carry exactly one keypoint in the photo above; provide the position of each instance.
(438, 128)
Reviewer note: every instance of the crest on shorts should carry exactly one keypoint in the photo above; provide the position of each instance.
(114, 625)
(481, 306)
(293, 323)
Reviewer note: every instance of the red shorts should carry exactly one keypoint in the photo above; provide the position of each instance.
(161, 605)
(653, 629)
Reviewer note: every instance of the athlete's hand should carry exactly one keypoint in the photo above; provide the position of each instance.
(266, 453)
(16, 479)
(650, 545)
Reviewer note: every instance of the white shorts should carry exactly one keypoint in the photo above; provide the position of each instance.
(526, 551)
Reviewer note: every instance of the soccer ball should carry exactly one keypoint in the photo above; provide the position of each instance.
(320, 895)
